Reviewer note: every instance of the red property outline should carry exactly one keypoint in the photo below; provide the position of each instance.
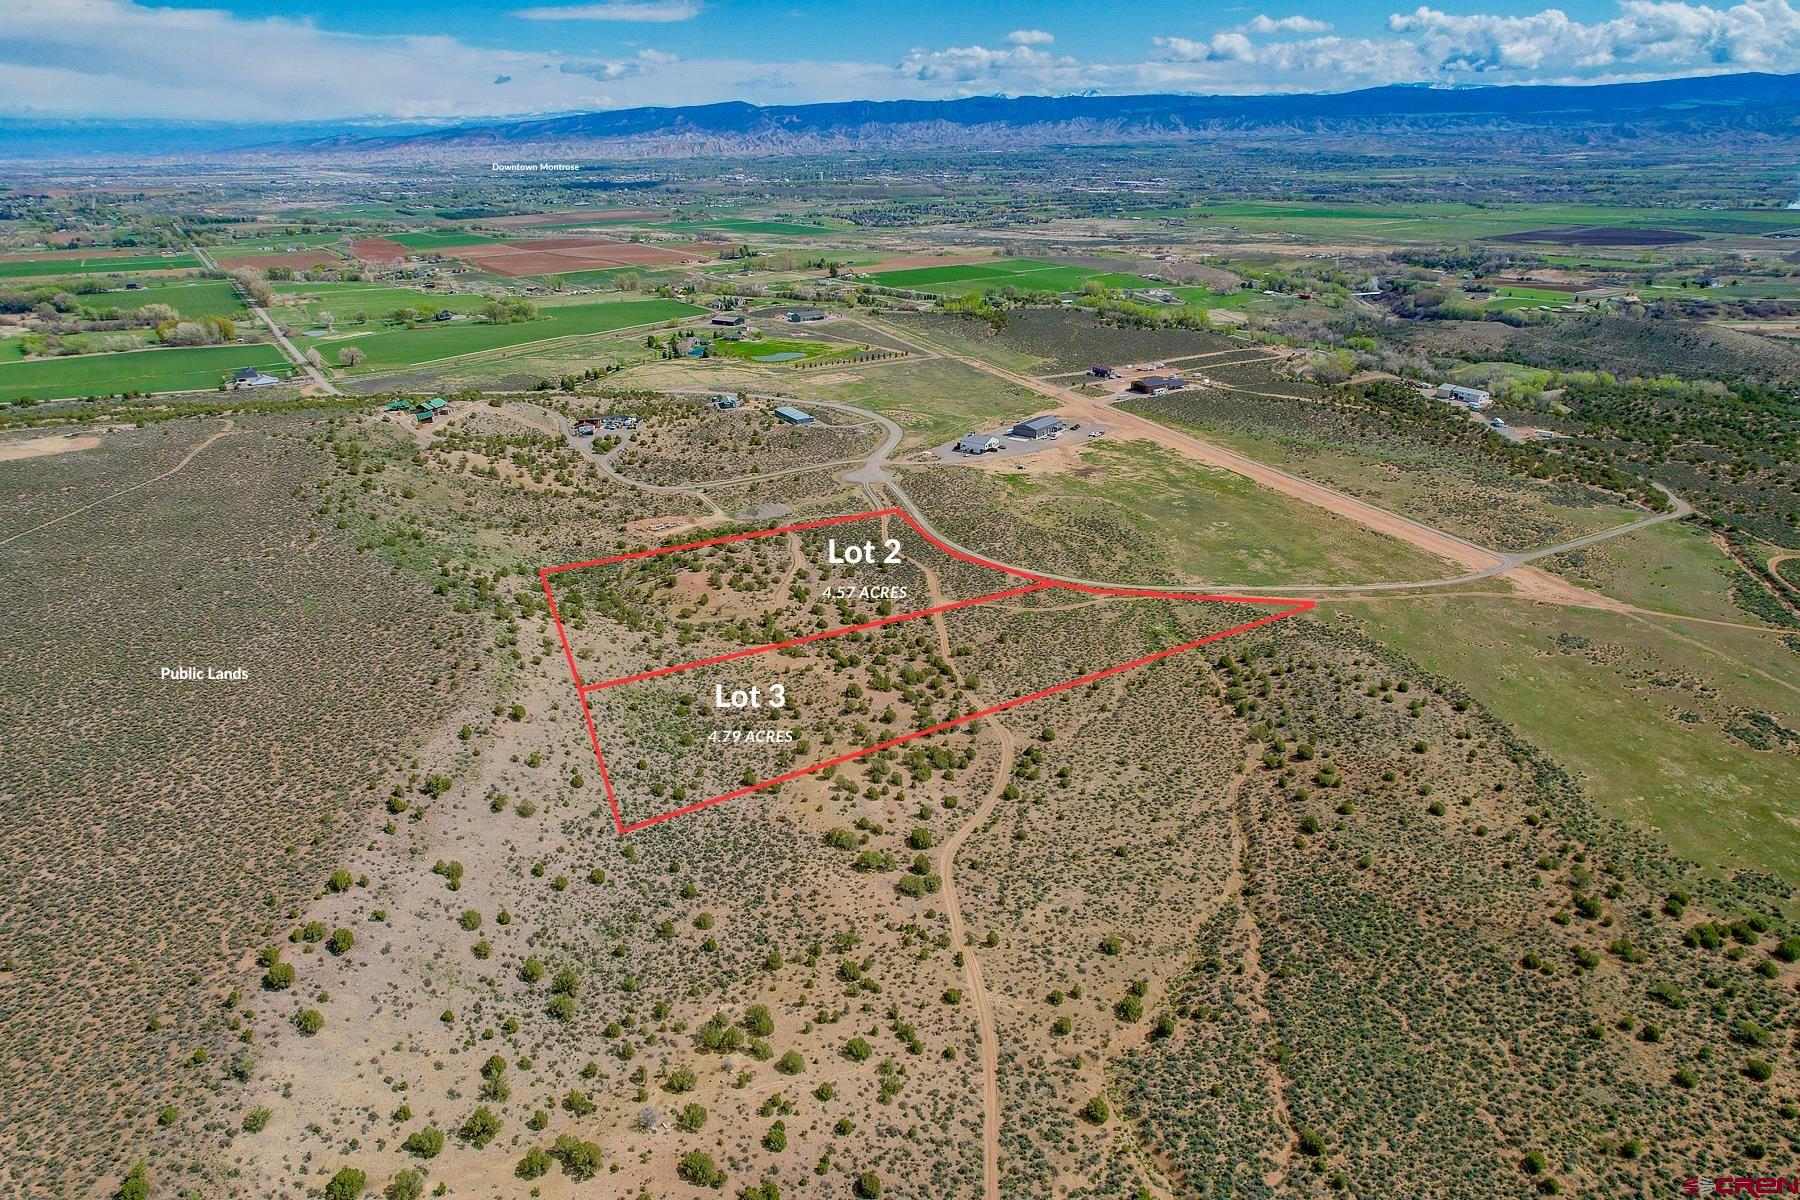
(1036, 583)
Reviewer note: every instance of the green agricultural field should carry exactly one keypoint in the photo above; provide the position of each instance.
(344, 300)
(24, 268)
(1416, 221)
(390, 348)
(1738, 289)
(1508, 296)
(190, 298)
(1116, 279)
(277, 242)
(769, 347)
(747, 227)
(1025, 273)
(439, 241)
(1201, 297)
(194, 368)
(1643, 710)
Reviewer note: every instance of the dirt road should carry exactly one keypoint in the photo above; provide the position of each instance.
(984, 1009)
(1448, 546)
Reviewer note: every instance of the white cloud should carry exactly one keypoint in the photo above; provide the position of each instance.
(1024, 66)
(1647, 37)
(632, 10)
(1262, 23)
(1029, 37)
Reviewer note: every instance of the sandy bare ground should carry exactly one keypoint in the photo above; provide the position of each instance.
(44, 446)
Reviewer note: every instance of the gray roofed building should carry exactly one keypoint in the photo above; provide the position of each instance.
(1039, 427)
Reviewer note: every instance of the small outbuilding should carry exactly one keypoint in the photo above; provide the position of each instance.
(726, 400)
(794, 416)
(1039, 427)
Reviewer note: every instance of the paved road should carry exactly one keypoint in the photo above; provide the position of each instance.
(261, 314)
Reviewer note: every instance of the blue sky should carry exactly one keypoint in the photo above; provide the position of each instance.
(451, 59)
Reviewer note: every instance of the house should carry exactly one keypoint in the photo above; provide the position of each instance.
(794, 416)
(1156, 385)
(1456, 393)
(726, 400)
(728, 320)
(1099, 372)
(807, 314)
(977, 443)
(251, 377)
(444, 314)
(585, 429)
(690, 347)
(397, 405)
(1039, 427)
(613, 421)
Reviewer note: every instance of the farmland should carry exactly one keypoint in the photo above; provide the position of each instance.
(166, 370)
(745, 227)
(401, 347)
(1446, 221)
(1024, 273)
(123, 264)
(190, 298)
(439, 241)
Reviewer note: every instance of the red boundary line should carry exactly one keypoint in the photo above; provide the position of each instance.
(1037, 583)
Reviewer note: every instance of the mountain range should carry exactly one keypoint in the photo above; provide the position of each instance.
(1744, 109)
(1739, 106)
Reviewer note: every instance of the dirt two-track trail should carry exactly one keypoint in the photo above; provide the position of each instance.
(972, 981)
(984, 1009)
(114, 495)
